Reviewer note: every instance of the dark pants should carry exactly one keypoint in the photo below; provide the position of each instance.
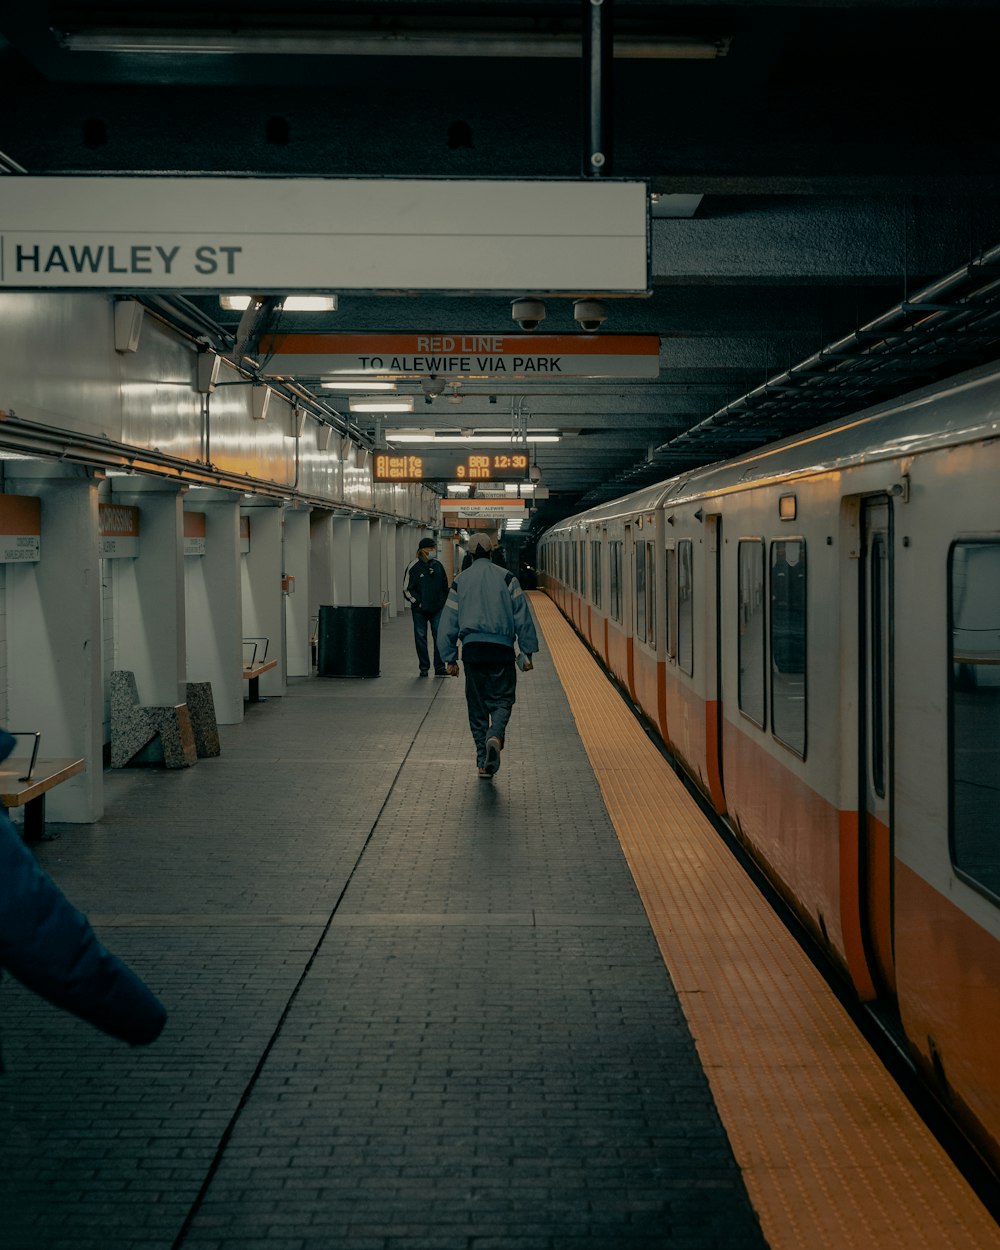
(420, 622)
(490, 691)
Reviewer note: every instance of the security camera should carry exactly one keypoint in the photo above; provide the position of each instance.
(527, 312)
(590, 313)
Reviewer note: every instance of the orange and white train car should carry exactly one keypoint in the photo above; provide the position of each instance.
(814, 630)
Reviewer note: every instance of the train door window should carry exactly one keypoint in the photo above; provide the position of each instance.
(670, 593)
(615, 550)
(640, 591)
(583, 565)
(595, 573)
(651, 593)
(750, 629)
(575, 568)
(685, 606)
(974, 738)
(788, 644)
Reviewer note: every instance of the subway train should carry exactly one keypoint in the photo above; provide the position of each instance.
(813, 628)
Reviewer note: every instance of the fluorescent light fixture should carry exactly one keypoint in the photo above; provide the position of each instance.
(458, 488)
(514, 525)
(402, 403)
(450, 440)
(291, 303)
(361, 385)
(388, 43)
(511, 488)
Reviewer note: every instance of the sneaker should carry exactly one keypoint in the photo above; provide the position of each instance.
(484, 775)
(492, 756)
(440, 672)
(423, 672)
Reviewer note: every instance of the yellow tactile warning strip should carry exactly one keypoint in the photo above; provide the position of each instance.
(832, 1153)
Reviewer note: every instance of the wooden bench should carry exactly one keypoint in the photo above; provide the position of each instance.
(254, 667)
(252, 675)
(27, 781)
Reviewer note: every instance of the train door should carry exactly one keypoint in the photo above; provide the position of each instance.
(628, 606)
(875, 774)
(713, 660)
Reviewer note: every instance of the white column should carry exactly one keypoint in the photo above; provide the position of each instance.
(342, 533)
(360, 577)
(263, 602)
(393, 572)
(296, 565)
(214, 607)
(54, 636)
(405, 540)
(375, 561)
(321, 588)
(150, 627)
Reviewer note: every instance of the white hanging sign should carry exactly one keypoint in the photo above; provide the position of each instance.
(458, 355)
(287, 235)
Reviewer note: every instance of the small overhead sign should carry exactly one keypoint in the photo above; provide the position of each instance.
(289, 235)
(460, 355)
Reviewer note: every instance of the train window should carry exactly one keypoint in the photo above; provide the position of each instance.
(788, 644)
(974, 604)
(595, 573)
(750, 630)
(685, 606)
(615, 550)
(574, 564)
(670, 592)
(640, 591)
(651, 593)
(583, 566)
(877, 659)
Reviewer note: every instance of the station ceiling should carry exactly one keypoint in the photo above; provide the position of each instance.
(813, 169)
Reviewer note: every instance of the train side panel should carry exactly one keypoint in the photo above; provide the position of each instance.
(947, 768)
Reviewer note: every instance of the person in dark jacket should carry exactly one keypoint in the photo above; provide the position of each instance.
(488, 613)
(47, 945)
(425, 589)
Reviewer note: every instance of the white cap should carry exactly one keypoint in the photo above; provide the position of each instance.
(480, 541)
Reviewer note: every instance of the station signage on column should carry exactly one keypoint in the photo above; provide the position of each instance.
(119, 530)
(287, 235)
(20, 529)
(462, 356)
(194, 533)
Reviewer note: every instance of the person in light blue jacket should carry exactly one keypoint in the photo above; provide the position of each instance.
(47, 945)
(487, 612)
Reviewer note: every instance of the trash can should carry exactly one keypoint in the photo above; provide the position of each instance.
(349, 641)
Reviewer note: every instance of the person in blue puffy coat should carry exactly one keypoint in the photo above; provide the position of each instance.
(47, 945)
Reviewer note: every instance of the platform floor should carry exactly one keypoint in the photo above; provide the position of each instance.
(408, 1008)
